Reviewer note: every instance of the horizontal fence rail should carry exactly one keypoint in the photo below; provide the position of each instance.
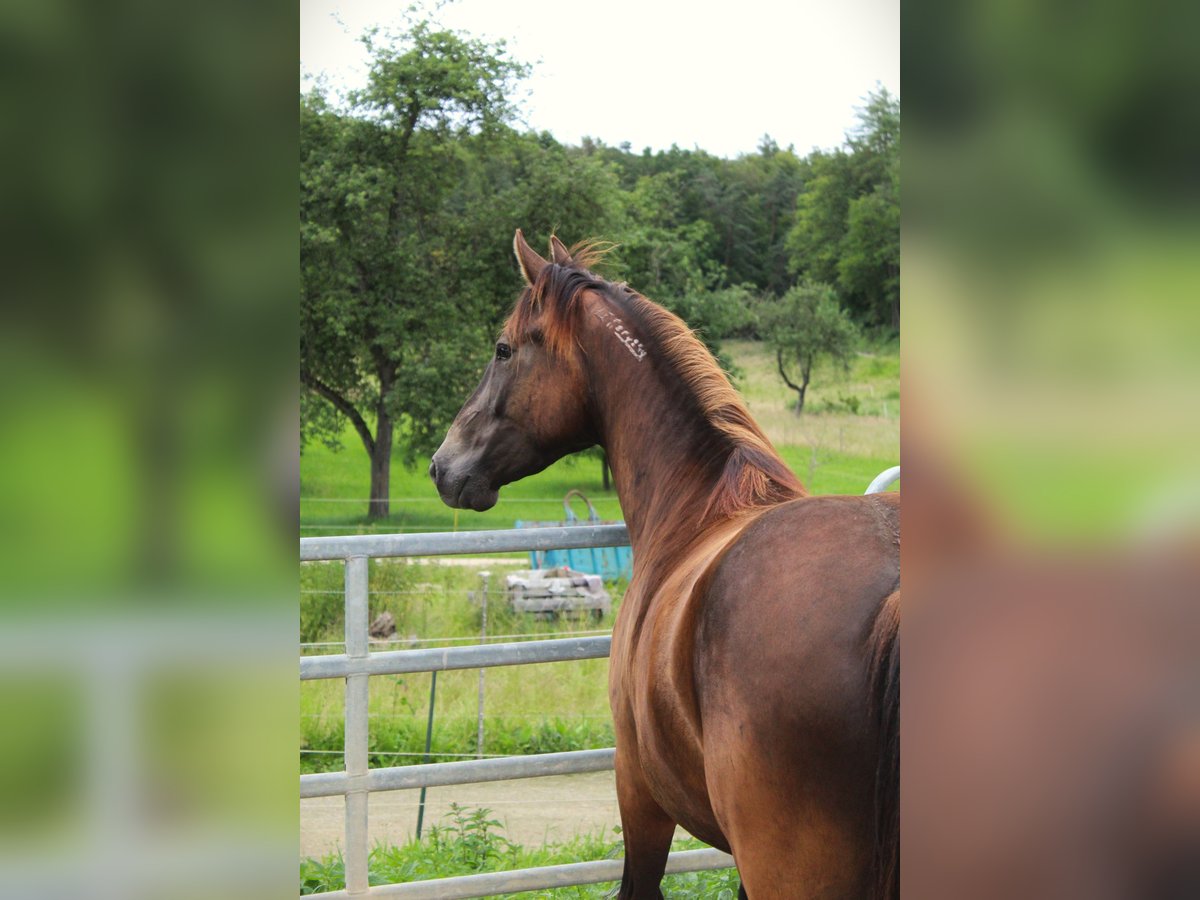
(540, 878)
(883, 480)
(357, 664)
(472, 771)
(442, 659)
(377, 546)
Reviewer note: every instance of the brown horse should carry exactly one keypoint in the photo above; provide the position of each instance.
(754, 677)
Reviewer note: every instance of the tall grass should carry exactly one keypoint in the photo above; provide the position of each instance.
(852, 415)
(528, 709)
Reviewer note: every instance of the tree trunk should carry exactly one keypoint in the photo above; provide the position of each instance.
(379, 451)
(800, 397)
(381, 468)
(801, 388)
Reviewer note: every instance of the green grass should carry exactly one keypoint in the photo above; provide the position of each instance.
(528, 709)
(327, 479)
(470, 842)
(833, 451)
(827, 424)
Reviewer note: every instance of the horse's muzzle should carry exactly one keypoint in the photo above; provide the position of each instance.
(460, 487)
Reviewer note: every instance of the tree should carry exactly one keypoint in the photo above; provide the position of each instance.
(815, 241)
(847, 225)
(869, 267)
(381, 238)
(777, 177)
(804, 327)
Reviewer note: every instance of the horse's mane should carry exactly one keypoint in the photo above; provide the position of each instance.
(753, 474)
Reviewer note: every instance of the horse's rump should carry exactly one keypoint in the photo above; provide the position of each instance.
(800, 594)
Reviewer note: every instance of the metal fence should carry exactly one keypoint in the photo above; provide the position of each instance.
(357, 665)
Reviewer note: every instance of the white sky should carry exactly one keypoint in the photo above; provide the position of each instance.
(657, 72)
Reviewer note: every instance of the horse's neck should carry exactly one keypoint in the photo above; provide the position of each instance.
(663, 455)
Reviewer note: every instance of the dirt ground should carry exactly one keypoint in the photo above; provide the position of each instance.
(533, 811)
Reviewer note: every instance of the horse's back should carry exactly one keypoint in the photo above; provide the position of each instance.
(804, 579)
(782, 672)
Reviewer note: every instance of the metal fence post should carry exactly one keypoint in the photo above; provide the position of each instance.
(428, 744)
(357, 664)
(486, 576)
(357, 700)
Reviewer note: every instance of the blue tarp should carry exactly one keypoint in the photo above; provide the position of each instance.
(610, 563)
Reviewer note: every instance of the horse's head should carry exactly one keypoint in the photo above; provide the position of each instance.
(531, 406)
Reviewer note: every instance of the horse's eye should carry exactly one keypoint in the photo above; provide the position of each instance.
(503, 351)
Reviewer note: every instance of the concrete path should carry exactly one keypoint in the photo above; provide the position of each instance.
(532, 810)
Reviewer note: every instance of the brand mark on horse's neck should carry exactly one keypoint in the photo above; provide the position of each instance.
(617, 327)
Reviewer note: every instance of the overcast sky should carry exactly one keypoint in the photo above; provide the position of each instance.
(658, 72)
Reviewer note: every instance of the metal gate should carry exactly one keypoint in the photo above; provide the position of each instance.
(357, 665)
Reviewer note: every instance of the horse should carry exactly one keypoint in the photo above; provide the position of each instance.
(754, 670)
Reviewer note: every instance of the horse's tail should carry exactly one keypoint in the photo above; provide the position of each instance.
(885, 701)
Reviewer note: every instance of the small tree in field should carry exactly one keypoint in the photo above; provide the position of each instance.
(807, 325)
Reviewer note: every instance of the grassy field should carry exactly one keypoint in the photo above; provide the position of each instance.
(853, 414)
(831, 448)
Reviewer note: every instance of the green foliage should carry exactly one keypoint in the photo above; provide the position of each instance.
(436, 82)
(721, 313)
(383, 188)
(847, 225)
(406, 196)
(322, 616)
(847, 403)
(815, 239)
(470, 841)
(806, 326)
(320, 876)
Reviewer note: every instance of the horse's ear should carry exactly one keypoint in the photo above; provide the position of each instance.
(531, 264)
(558, 251)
